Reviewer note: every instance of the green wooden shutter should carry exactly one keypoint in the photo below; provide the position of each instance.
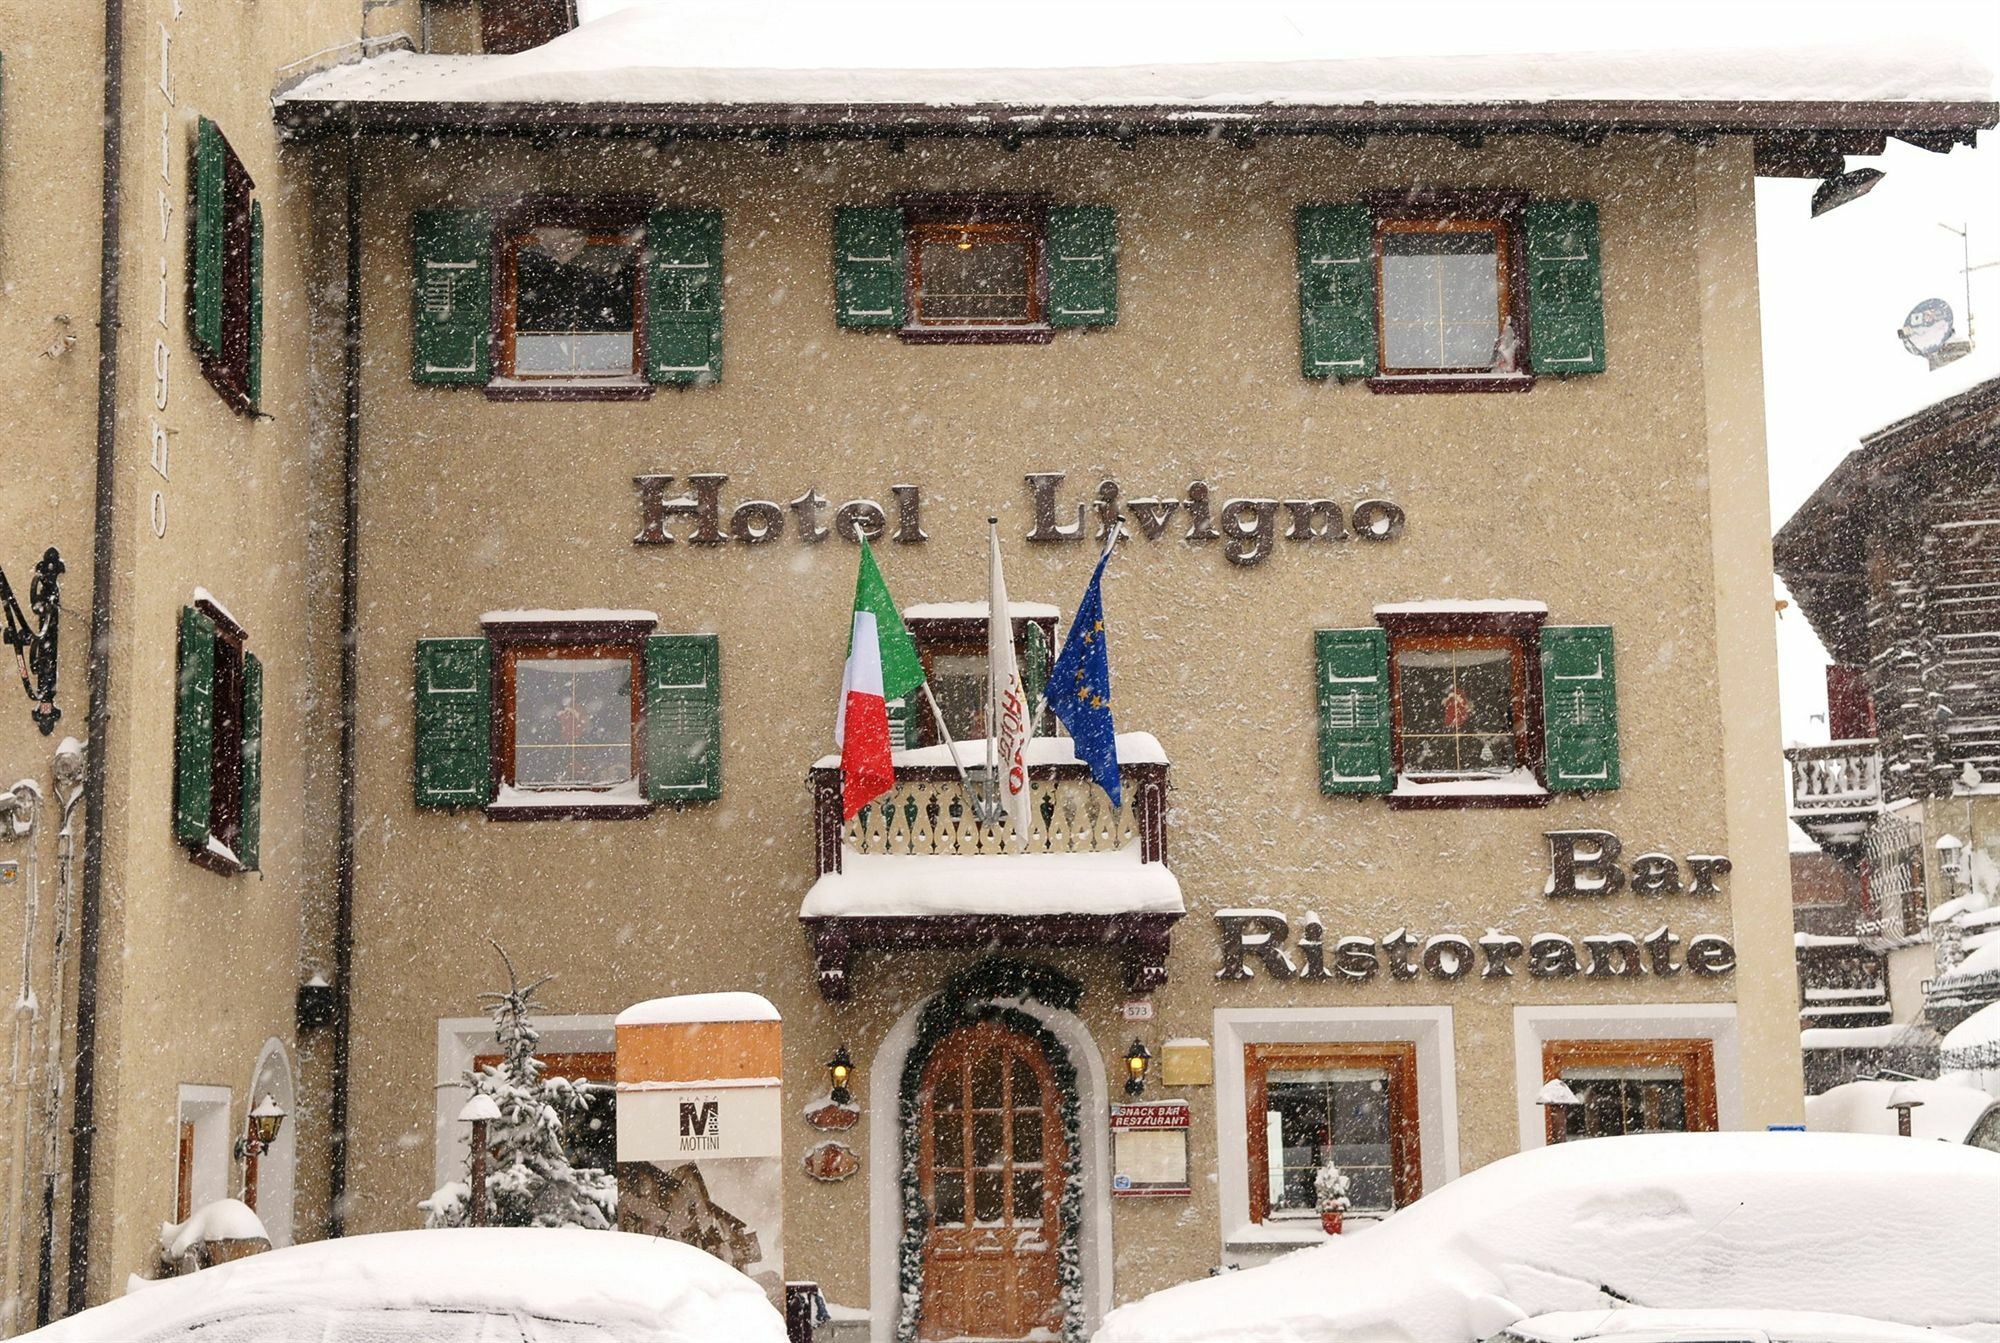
(902, 725)
(194, 727)
(1579, 708)
(1336, 291)
(1083, 265)
(868, 266)
(454, 723)
(683, 718)
(208, 240)
(1355, 755)
(452, 309)
(1565, 288)
(247, 844)
(684, 296)
(256, 380)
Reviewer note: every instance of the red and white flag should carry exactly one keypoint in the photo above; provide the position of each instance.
(1007, 709)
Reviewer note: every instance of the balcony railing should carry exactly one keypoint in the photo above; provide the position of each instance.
(1842, 776)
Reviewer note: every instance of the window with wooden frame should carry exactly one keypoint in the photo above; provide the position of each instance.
(974, 269)
(1631, 1086)
(218, 740)
(1467, 704)
(551, 716)
(226, 271)
(590, 1138)
(559, 298)
(1439, 291)
(1352, 1104)
(953, 651)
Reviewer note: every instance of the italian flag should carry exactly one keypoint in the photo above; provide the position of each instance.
(882, 665)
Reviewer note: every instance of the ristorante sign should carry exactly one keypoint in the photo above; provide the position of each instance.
(1583, 865)
(692, 509)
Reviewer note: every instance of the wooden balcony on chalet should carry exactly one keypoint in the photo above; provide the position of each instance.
(1836, 792)
(917, 869)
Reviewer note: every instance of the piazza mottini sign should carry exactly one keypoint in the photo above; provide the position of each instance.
(1583, 865)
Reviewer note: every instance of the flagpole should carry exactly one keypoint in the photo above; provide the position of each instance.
(992, 690)
(945, 732)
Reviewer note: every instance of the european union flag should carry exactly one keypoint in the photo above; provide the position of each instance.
(1079, 689)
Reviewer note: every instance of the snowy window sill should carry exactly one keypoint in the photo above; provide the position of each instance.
(566, 389)
(1452, 382)
(977, 335)
(1518, 788)
(569, 804)
(1285, 1233)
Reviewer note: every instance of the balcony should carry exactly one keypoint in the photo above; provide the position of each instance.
(916, 868)
(1836, 792)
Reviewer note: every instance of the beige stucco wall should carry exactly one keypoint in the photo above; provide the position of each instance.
(1607, 498)
(197, 970)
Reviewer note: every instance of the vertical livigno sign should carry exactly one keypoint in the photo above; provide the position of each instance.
(693, 510)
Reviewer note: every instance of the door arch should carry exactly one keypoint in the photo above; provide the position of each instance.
(992, 1156)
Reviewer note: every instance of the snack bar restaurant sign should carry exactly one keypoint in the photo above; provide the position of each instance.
(1583, 865)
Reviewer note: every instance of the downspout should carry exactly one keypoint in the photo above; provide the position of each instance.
(103, 557)
(350, 573)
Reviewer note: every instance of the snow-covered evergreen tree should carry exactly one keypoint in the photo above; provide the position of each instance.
(529, 1180)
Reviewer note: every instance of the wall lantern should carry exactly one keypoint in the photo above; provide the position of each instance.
(1951, 857)
(837, 1070)
(260, 1131)
(478, 1112)
(1903, 1100)
(1136, 1059)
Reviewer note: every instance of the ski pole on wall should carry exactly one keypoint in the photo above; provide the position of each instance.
(35, 645)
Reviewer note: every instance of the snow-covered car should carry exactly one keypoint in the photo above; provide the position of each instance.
(476, 1285)
(1883, 1228)
(1946, 1111)
(1710, 1326)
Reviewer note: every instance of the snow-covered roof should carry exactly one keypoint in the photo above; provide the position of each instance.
(636, 1287)
(1838, 1222)
(1134, 748)
(686, 1008)
(1051, 61)
(1977, 1031)
(1861, 1037)
(1778, 1326)
(1944, 1110)
(224, 1219)
(880, 885)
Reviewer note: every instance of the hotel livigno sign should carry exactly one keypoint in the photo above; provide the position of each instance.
(1583, 865)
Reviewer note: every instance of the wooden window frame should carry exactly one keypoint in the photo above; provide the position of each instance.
(605, 219)
(996, 217)
(184, 1173)
(1423, 211)
(961, 636)
(225, 761)
(1695, 1057)
(228, 370)
(1519, 630)
(581, 640)
(1397, 1057)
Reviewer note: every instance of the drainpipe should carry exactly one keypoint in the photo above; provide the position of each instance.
(103, 566)
(343, 866)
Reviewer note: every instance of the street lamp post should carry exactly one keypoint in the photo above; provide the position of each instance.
(266, 1118)
(478, 1112)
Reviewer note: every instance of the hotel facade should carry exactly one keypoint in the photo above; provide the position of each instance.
(1438, 616)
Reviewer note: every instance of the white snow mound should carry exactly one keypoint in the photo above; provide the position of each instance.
(1850, 1223)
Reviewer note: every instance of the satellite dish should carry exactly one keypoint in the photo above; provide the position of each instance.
(1928, 331)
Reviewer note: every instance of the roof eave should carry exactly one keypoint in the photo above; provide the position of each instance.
(1803, 139)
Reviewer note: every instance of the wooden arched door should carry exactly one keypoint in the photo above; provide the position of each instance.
(990, 1161)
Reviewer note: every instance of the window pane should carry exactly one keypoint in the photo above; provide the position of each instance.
(1027, 1087)
(959, 682)
(949, 1190)
(591, 1138)
(575, 304)
(572, 722)
(1028, 1136)
(950, 1140)
(986, 1082)
(1625, 1100)
(1456, 710)
(1440, 300)
(987, 1191)
(974, 280)
(1027, 1196)
(986, 1140)
(1329, 1114)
